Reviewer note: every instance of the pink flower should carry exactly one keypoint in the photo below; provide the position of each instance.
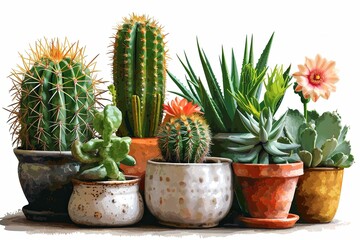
(316, 78)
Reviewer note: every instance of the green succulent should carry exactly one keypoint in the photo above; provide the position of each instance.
(241, 88)
(322, 139)
(264, 143)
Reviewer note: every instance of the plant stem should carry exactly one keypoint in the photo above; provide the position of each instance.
(305, 111)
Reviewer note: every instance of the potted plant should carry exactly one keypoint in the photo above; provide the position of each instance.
(267, 171)
(139, 74)
(54, 92)
(103, 195)
(324, 149)
(186, 188)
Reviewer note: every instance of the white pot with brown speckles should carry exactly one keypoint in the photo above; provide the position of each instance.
(106, 203)
(193, 195)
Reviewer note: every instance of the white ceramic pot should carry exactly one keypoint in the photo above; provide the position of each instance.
(106, 203)
(191, 195)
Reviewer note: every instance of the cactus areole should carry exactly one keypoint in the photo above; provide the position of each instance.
(54, 93)
(139, 72)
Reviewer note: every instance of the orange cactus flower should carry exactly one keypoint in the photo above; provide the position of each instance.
(178, 108)
(316, 78)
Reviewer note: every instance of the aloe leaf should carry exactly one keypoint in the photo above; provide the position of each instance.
(327, 126)
(241, 149)
(246, 54)
(293, 120)
(317, 157)
(235, 79)
(308, 139)
(273, 150)
(251, 54)
(182, 87)
(228, 88)
(306, 157)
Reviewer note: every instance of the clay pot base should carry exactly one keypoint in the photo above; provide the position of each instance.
(267, 222)
(187, 225)
(45, 216)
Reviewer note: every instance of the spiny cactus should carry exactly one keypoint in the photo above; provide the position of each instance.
(139, 72)
(101, 157)
(263, 143)
(55, 92)
(184, 136)
(323, 139)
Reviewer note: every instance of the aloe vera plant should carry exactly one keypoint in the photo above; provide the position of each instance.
(322, 139)
(239, 88)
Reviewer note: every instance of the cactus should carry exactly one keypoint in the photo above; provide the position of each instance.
(55, 93)
(139, 72)
(322, 139)
(184, 135)
(263, 143)
(101, 157)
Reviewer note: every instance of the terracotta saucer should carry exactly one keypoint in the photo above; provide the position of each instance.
(268, 222)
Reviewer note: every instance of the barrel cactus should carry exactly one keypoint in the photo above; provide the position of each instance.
(263, 144)
(322, 139)
(101, 157)
(184, 136)
(55, 92)
(139, 72)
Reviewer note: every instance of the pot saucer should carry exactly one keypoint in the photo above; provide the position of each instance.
(44, 216)
(268, 222)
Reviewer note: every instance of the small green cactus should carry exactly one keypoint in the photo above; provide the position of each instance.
(322, 139)
(184, 137)
(139, 72)
(55, 93)
(101, 157)
(263, 143)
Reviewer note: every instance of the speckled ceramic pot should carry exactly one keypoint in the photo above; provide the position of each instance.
(106, 203)
(189, 195)
(45, 178)
(318, 193)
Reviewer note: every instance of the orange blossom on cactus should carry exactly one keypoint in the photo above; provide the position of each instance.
(177, 108)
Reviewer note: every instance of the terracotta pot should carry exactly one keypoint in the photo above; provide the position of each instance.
(268, 189)
(106, 203)
(189, 195)
(142, 149)
(318, 193)
(45, 178)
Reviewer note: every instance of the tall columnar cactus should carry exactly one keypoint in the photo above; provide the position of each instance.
(139, 72)
(55, 93)
(322, 139)
(184, 136)
(101, 157)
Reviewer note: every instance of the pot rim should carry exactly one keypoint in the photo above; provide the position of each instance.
(318, 169)
(130, 180)
(42, 153)
(221, 161)
(268, 170)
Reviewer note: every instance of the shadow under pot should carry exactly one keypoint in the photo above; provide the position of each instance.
(45, 178)
(106, 203)
(189, 195)
(318, 194)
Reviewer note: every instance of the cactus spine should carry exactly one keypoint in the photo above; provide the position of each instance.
(139, 72)
(55, 93)
(184, 136)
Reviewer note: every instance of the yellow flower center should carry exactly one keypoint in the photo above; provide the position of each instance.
(315, 78)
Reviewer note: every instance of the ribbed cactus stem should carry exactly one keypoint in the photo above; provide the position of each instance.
(139, 75)
(56, 94)
(184, 139)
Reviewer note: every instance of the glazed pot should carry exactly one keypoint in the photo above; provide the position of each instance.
(268, 189)
(318, 193)
(106, 203)
(189, 195)
(45, 178)
(142, 149)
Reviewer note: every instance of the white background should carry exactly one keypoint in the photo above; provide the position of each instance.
(302, 28)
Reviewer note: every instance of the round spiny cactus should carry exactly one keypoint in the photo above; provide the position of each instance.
(184, 135)
(55, 92)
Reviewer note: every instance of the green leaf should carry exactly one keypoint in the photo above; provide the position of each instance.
(292, 123)
(348, 162)
(342, 136)
(235, 79)
(317, 157)
(228, 88)
(339, 159)
(327, 126)
(308, 139)
(344, 147)
(306, 157)
(328, 147)
(181, 86)
(312, 115)
(263, 157)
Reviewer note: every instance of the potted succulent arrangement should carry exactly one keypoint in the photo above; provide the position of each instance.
(54, 92)
(186, 188)
(139, 74)
(103, 195)
(324, 149)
